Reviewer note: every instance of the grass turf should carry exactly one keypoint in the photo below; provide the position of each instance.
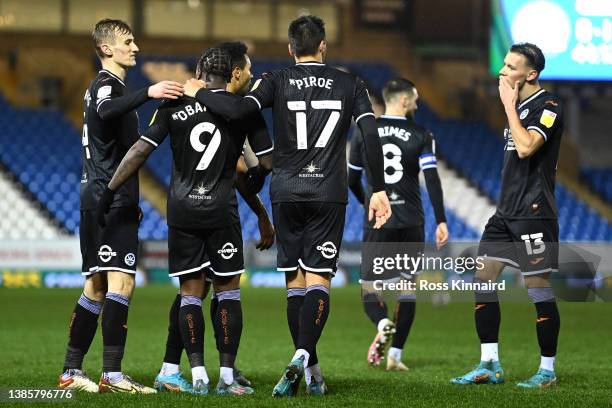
(442, 344)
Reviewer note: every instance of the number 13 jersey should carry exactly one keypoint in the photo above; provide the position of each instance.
(205, 149)
(313, 105)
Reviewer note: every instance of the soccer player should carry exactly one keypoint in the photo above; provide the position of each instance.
(524, 231)
(204, 225)
(312, 105)
(169, 377)
(109, 253)
(408, 148)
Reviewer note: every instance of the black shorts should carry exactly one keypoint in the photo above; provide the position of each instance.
(308, 235)
(531, 245)
(112, 248)
(217, 249)
(387, 242)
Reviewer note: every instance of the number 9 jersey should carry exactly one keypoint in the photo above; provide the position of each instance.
(313, 105)
(205, 149)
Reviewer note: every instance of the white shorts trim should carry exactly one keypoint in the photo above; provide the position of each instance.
(287, 269)
(186, 271)
(114, 268)
(502, 260)
(352, 166)
(541, 271)
(263, 151)
(226, 273)
(316, 270)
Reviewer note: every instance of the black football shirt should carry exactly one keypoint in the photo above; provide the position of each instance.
(312, 108)
(528, 184)
(407, 148)
(105, 142)
(205, 149)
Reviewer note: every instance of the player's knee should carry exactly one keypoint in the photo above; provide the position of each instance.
(193, 285)
(121, 283)
(490, 271)
(224, 283)
(95, 287)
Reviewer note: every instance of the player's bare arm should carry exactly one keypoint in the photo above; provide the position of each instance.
(266, 230)
(527, 142)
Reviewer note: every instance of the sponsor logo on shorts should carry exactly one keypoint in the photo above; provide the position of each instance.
(227, 250)
(311, 171)
(130, 259)
(106, 253)
(327, 249)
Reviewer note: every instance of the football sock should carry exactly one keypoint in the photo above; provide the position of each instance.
(114, 331)
(295, 300)
(174, 341)
(227, 374)
(489, 352)
(314, 370)
(313, 317)
(228, 322)
(375, 308)
(191, 323)
(395, 353)
(214, 302)
(548, 321)
(199, 373)
(404, 316)
(82, 329)
(169, 369)
(487, 315)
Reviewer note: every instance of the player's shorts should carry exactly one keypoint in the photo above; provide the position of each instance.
(112, 248)
(386, 242)
(308, 235)
(531, 245)
(217, 249)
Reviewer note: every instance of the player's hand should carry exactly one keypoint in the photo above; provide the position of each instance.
(266, 232)
(192, 86)
(166, 90)
(441, 235)
(379, 209)
(104, 205)
(507, 94)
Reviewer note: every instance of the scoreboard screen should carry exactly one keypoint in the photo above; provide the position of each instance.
(575, 36)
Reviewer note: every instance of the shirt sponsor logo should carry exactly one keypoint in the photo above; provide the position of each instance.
(327, 249)
(395, 199)
(311, 171)
(130, 259)
(106, 253)
(227, 250)
(524, 114)
(548, 118)
(199, 193)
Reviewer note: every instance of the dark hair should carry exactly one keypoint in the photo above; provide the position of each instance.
(106, 30)
(214, 61)
(396, 86)
(532, 53)
(305, 35)
(237, 51)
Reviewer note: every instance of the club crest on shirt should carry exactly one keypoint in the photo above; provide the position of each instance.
(524, 114)
(548, 118)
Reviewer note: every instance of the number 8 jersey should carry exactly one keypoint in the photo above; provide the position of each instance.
(205, 149)
(407, 149)
(313, 105)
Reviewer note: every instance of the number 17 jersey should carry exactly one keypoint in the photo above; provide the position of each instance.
(312, 107)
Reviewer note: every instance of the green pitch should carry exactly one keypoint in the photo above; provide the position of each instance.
(442, 344)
